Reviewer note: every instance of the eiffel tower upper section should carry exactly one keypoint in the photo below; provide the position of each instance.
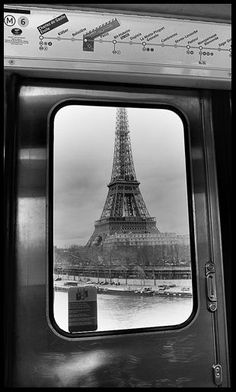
(124, 210)
(123, 166)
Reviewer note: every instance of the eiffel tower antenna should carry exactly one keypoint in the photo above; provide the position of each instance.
(124, 209)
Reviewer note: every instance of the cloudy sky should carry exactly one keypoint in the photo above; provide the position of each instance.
(83, 154)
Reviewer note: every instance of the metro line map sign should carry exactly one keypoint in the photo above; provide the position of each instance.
(77, 40)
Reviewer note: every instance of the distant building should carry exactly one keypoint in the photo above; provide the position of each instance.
(145, 239)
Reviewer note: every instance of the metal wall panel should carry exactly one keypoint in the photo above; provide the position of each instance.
(174, 357)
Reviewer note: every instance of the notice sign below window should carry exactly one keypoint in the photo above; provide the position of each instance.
(82, 308)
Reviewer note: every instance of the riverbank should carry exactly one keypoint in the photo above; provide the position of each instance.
(170, 287)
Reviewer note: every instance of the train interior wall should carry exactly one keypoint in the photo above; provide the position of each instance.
(221, 117)
(223, 144)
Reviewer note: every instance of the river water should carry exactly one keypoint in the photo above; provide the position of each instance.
(116, 311)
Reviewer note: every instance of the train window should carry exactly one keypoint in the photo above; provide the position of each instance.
(120, 216)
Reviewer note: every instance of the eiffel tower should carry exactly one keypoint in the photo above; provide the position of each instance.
(124, 210)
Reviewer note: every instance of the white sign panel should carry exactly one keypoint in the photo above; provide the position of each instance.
(75, 40)
(82, 308)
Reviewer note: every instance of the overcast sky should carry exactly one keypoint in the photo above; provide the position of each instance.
(83, 154)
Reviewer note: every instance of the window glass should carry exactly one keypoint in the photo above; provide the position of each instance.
(120, 219)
